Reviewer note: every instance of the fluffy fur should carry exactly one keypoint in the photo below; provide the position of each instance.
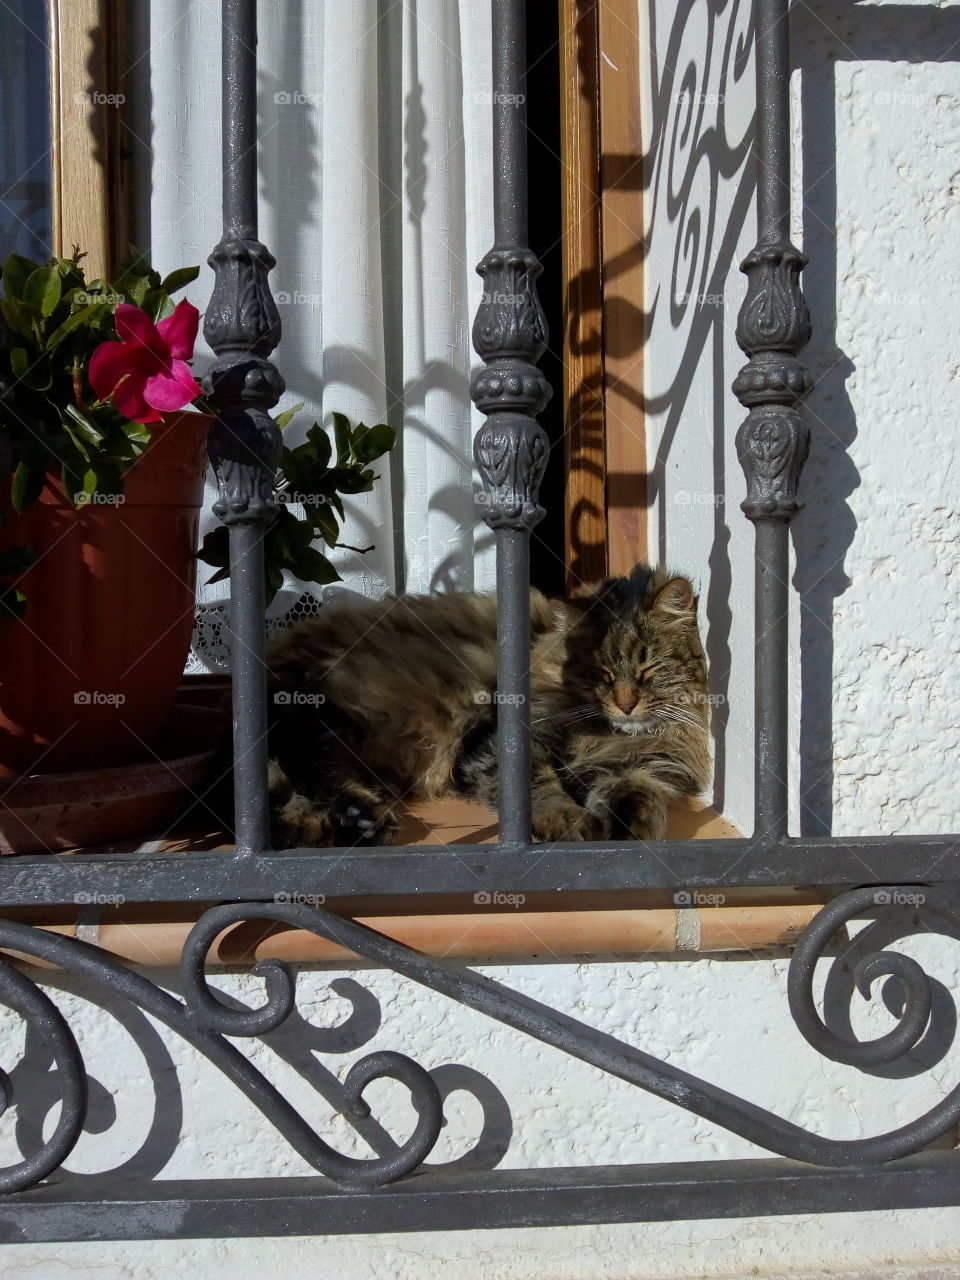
(396, 700)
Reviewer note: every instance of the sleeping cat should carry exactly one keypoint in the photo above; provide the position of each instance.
(395, 700)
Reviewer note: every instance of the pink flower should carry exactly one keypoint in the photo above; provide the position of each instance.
(146, 371)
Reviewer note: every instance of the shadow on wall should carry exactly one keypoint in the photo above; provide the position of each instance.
(34, 1083)
(693, 150)
(687, 140)
(827, 32)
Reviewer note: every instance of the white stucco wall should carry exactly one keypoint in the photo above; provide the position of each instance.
(880, 497)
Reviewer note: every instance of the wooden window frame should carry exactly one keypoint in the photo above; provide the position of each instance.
(605, 450)
(91, 198)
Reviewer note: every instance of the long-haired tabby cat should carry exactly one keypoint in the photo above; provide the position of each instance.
(380, 702)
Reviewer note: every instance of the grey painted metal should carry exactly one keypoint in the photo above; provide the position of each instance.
(100, 1209)
(511, 449)
(424, 871)
(242, 325)
(204, 1021)
(772, 443)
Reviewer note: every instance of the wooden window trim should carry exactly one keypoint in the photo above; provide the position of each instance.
(88, 92)
(605, 448)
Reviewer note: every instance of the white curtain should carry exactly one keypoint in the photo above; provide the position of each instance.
(375, 199)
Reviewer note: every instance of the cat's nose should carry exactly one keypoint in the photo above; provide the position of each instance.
(625, 696)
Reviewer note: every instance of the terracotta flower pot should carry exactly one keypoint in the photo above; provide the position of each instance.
(87, 676)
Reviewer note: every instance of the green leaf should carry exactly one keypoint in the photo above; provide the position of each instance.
(26, 486)
(88, 314)
(374, 443)
(13, 603)
(273, 584)
(352, 479)
(179, 279)
(320, 442)
(82, 425)
(137, 265)
(71, 478)
(134, 289)
(42, 290)
(17, 271)
(136, 433)
(313, 566)
(342, 436)
(284, 419)
(18, 318)
(32, 372)
(326, 522)
(81, 447)
(87, 487)
(215, 550)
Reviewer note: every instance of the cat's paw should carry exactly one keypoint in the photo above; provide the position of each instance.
(630, 816)
(357, 821)
(563, 819)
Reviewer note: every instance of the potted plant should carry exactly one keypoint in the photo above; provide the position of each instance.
(101, 484)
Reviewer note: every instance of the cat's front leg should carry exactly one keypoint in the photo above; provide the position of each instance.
(556, 815)
(631, 806)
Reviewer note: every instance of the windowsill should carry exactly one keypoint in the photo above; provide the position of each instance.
(543, 927)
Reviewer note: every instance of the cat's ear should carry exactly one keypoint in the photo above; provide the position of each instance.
(575, 610)
(676, 600)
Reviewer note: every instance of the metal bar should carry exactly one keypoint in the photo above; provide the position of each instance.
(513, 684)
(773, 442)
(773, 119)
(771, 694)
(509, 123)
(420, 870)
(242, 326)
(681, 1191)
(249, 682)
(239, 137)
(511, 449)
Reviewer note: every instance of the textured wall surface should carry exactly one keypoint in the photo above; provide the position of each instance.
(878, 141)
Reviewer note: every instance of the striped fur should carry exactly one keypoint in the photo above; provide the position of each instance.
(396, 701)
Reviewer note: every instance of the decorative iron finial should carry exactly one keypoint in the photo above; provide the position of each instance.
(774, 324)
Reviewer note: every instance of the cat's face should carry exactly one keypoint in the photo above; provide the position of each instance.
(639, 648)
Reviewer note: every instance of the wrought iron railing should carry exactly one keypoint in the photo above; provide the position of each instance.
(243, 328)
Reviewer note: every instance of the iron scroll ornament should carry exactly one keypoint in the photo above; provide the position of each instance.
(204, 1021)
